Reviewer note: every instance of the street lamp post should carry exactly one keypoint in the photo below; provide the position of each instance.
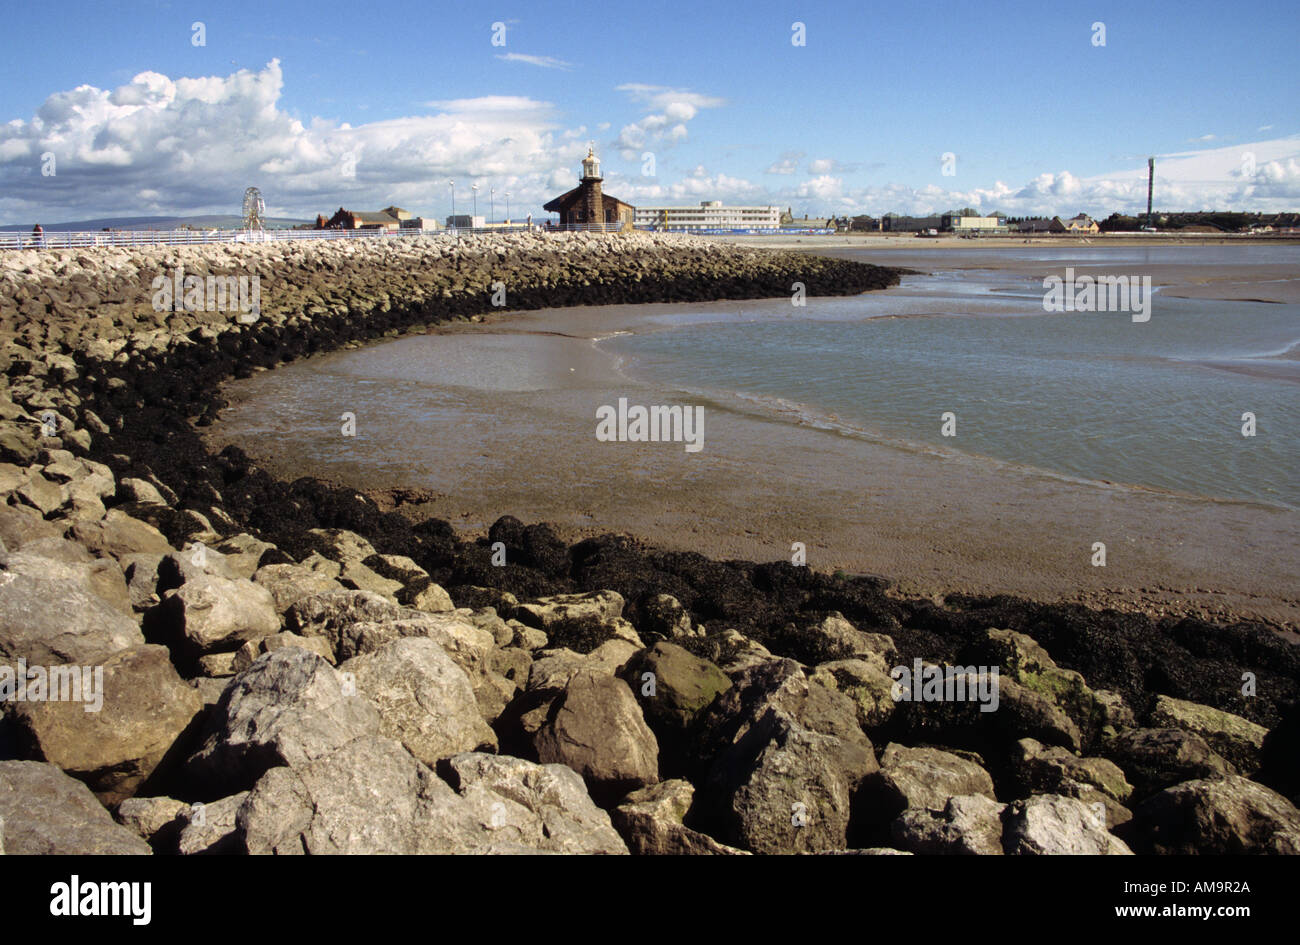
(451, 184)
(507, 208)
(492, 198)
(474, 188)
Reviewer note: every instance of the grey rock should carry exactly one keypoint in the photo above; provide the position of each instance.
(44, 811)
(1156, 758)
(291, 583)
(1239, 741)
(597, 729)
(211, 828)
(52, 612)
(1226, 815)
(424, 700)
(922, 778)
(145, 708)
(1048, 824)
(969, 824)
(789, 757)
(288, 708)
(651, 821)
(208, 614)
(557, 814)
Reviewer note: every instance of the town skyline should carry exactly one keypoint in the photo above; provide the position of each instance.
(159, 119)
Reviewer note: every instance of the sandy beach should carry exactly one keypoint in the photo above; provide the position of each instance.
(518, 440)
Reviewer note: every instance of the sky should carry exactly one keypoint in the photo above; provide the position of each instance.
(118, 108)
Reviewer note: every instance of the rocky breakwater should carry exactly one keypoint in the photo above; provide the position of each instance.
(203, 659)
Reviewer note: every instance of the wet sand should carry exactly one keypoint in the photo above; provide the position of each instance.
(521, 441)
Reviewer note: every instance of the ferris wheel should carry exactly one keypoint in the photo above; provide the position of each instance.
(254, 209)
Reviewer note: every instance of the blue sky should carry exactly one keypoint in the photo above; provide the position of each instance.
(325, 104)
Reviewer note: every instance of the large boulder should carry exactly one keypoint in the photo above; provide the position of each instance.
(558, 814)
(1048, 824)
(370, 796)
(54, 612)
(580, 622)
(651, 821)
(326, 614)
(869, 687)
(1025, 661)
(339, 544)
(157, 820)
(835, 638)
(21, 525)
(365, 796)
(44, 811)
(290, 583)
(922, 778)
(1039, 769)
(1237, 740)
(119, 534)
(289, 708)
(1227, 815)
(143, 709)
(597, 729)
(680, 685)
(786, 757)
(1156, 758)
(211, 828)
(424, 700)
(969, 824)
(208, 614)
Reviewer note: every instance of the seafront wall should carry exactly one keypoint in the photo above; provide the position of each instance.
(264, 666)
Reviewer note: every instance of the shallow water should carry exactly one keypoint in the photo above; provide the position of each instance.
(1093, 396)
(1088, 395)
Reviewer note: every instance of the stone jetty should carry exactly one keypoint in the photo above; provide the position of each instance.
(196, 657)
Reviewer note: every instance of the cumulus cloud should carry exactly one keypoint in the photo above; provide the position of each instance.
(697, 185)
(788, 163)
(1263, 175)
(670, 108)
(158, 145)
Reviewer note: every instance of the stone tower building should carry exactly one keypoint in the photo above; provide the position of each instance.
(587, 204)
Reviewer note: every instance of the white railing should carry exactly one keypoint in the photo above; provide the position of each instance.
(74, 240)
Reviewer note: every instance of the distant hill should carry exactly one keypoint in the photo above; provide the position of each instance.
(228, 221)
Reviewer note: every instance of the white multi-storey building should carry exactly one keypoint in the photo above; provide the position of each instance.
(709, 215)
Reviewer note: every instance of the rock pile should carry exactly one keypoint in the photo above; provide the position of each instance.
(285, 668)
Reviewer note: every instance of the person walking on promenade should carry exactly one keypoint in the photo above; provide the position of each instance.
(38, 236)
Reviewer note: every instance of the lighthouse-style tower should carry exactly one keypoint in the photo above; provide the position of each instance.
(593, 204)
(587, 206)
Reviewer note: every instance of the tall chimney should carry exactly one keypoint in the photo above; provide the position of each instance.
(1151, 180)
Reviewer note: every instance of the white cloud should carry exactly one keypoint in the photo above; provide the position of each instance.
(666, 123)
(1215, 179)
(546, 62)
(191, 145)
(787, 164)
(821, 166)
